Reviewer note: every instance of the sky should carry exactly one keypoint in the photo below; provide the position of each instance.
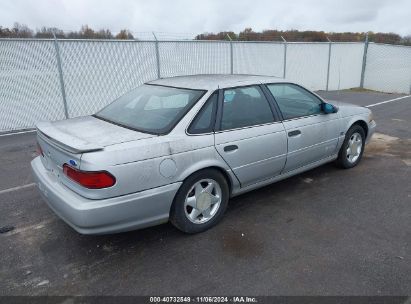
(194, 16)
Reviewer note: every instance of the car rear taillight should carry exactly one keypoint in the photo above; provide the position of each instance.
(39, 150)
(90, 179)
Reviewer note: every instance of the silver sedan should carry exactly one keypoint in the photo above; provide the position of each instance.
(178, 148)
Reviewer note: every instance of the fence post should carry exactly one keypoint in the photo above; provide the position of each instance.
(157, 56)
(63, 90)
(285, 57)
(231, 55)
(329, 60)
(364, 61)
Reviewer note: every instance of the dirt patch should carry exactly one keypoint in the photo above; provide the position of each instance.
(362, 90)
(385, 145)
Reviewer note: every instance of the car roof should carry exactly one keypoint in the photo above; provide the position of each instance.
(214, 81)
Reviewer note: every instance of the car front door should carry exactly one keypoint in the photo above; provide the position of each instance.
(312, 134)
(249, 136)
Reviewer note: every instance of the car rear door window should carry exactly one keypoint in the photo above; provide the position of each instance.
(205, 119)
(294, 101)
(245, 106)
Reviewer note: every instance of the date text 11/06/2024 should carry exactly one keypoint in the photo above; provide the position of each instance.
(222, 299)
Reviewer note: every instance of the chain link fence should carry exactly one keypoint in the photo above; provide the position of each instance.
(97, 72)
(259, 58)
(193, 57)
(46, 79)
(345, 65)
(29, 84)
(388, 68)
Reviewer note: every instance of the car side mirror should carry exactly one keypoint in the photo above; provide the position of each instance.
(328, 108)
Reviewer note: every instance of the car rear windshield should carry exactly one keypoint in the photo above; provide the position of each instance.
(151, 108)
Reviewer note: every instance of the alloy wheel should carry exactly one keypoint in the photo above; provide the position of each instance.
(354, 147)
(203, 201)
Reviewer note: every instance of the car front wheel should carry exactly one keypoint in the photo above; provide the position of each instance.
(201, 201)
(352, 148)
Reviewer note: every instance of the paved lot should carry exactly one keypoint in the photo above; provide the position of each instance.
(325, 232)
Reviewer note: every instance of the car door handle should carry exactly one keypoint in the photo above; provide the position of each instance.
(294, 133)
(230, 148)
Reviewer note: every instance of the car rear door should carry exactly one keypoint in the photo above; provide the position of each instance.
(249, 135)
(312, 134)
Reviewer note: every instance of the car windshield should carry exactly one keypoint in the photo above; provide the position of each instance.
(151, 108)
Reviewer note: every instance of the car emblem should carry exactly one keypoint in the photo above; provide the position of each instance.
(72, 162)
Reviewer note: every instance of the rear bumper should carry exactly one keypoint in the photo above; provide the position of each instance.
(123, 213)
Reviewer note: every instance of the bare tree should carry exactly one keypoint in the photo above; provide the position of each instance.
(21, 31)
(47, 32)
(124, 34)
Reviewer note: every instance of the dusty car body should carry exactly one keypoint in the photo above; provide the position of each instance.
(145, 171)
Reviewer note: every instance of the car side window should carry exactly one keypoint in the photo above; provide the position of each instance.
(204, 122)
(294, 101)
(245, 106)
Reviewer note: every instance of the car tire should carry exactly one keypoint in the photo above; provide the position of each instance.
(352, 149)
(201, 201)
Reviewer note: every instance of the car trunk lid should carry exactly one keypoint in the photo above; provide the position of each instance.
(66, 141)
(86, 134)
